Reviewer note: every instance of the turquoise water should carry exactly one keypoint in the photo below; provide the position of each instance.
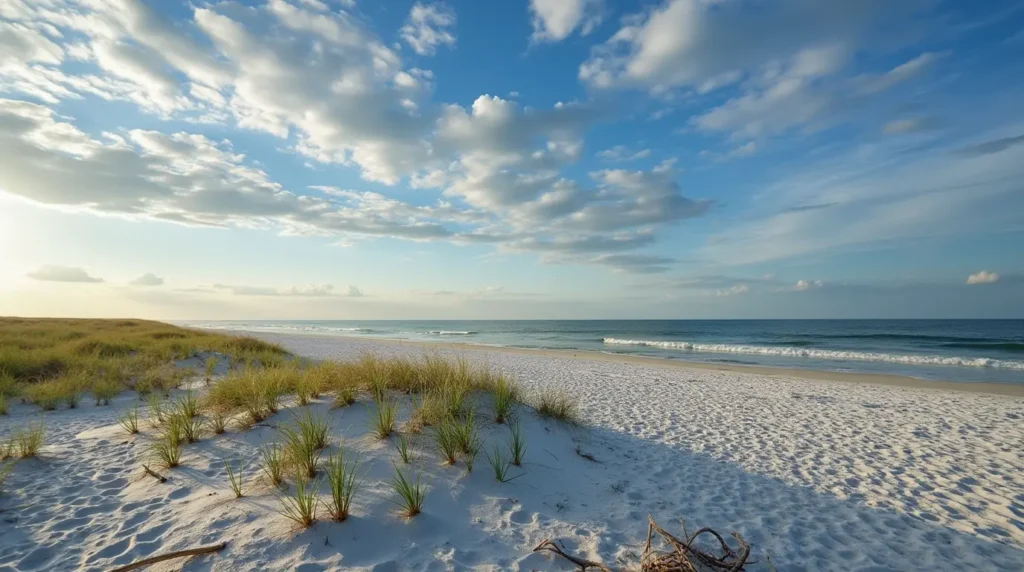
(957, 350)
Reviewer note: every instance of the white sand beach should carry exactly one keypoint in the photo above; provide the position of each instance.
(816, 474)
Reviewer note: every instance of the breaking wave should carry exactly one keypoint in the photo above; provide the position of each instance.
(822, 354)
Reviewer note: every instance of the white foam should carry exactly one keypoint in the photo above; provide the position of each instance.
(822, 354)
(449, 333)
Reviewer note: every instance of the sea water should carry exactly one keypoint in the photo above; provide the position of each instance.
(955, 350)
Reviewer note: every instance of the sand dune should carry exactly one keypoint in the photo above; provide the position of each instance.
(817, 475)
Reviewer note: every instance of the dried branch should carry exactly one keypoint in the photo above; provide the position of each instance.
(154, 474)
(171, 555)
(582, 563)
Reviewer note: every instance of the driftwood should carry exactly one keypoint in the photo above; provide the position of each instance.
(683, 557)
(171, 555)
(154, 474)
(546, 544)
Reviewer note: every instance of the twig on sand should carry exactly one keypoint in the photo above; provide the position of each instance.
(171, 555)
(154, 474)
(684, 557)
(683, 552)
(546, 544)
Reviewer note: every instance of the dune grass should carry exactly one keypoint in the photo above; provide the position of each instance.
(402, 445)
(5, 471)
(446, 441)
(499, 463)
(209, 365)
(272, 461)
(3, 404)
(410, 494)
(166, 450)
(300, 506)
(303, 444)
(341, 479)
(557, 404)
(506, 394)
(27, 441)
(383, 421)
(105, 389)
(54, 362)
(129, 420)
(234, 480)
(218, 422)
(516, 444)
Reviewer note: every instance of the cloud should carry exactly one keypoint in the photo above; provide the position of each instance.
(148, 279)
(804, 93)
(874, 200)
(53, 273)
(912, 125)
(994, 146)
(295, 291)
(808, 284)
(354, 292)
(708, 45)
(983, 277)
(426, 28)
(329, 89)
(554, 20)
(623, 153)
(733, 291)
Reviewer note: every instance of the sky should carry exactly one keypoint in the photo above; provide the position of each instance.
(357, 159)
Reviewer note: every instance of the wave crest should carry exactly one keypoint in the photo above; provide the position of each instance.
(822, 354)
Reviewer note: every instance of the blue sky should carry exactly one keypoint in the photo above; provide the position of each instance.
(521, 159)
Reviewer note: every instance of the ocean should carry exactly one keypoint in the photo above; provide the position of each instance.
(953, 350)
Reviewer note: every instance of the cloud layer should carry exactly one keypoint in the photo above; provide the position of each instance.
(53, 273)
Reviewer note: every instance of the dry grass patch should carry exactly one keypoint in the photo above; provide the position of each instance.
(557, 404)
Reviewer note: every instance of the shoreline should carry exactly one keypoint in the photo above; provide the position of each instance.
(899, 381)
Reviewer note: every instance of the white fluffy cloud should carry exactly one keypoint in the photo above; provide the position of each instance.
(427, 26)
(554, 20)
(148, 279)
(733, 290)
(623, 153)
(298, 291)
(322, 81)
(52, 273)
(983, 277)
(808, 284)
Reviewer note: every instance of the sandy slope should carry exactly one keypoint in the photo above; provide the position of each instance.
(820, 476)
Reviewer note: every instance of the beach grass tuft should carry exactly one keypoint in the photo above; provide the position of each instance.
(516, 444)
(410, 493)
(300, 506)
(499, 464)
(384, 417)
(28, 440)
(234, 479)
(341, 479)
(402, 445)
(302, 448)
(446, 440)
(166, 450)
(208, 367)
(155, 403)
(5, 471)
(219, 422)
(557, 404)
(272, 461)
(129, 420)
(105, 389)
(506, 395)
